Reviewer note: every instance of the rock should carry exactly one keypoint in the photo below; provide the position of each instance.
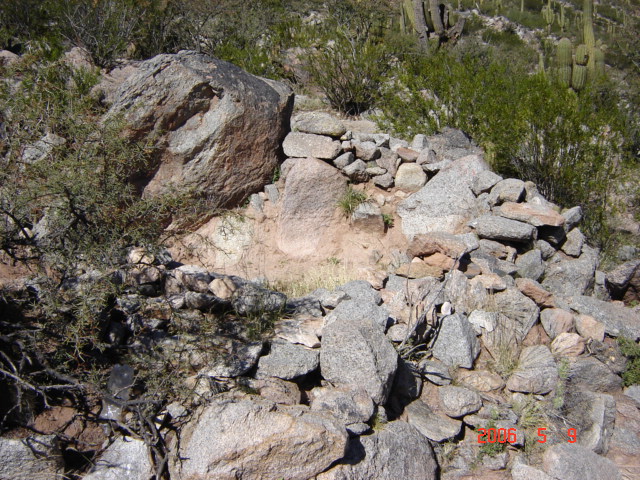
(619, 277)
(456, 343)
(346, 404)
(435, 427)
(223, 287)
(356, 171)
(343, 160)
(248, 437)
(375, 171)
(545, 248)
(536, 215)
(617, 319)
(427, 157)
(499, 228)
(493, 282)
(484, 181)
(459, 401)
(445, 203)
(201, 301)
(276, 390)
(7, 58)
(410, 177)
(572, 245)
(361, 290)
(507, 190)
(440, 260)
(520, 309)
(609, 353)
(482, 321)
(356, 352)
(407, 155)
(591, 374)
(272, 193)
(309, 202)
(572, 217)
(419, 142)
(589, 328)
(124, 458)
(307, 145)
(367, 150)
(419, 269)
(530, 264)
(536, 372)
(481, 380)
(491, 265)
(593, 416)
(574, 462)
(519, 471)
(633, 392)
(396, 451)
(437, 242)
(367, 217)
(287, 361)
(234, 357)
(535, 292)
(556, 321)
(304, 331)
(435, 372)
(389, 161)
(37, 456)
(383, 181)
(567, 277)
(319, 123)
(567, 345)
(253, 300)
(219, 129)
(552, 235)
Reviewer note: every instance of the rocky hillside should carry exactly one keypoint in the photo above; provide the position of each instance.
(477, 338)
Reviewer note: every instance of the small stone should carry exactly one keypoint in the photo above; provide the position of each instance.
(356, 171)
(435, 427)
(419, 270)
(459, 401)
(536, 215)
(568, 345)
(435, 372)
(287, 361)
(343, 160)
(272, 193)
(535, 292)
(407, 154)
(589, 328)
(366, 151)
(383, 181)
(484, 181)
(410, 177)
(572, 217)
(367, 217)
(572, 245)
(419, 142)
(556, 321)
(508, 190)
(530, 264)
(481, 380)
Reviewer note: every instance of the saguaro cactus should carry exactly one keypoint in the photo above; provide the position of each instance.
(430, 19)
(595, 63)
(548, 15)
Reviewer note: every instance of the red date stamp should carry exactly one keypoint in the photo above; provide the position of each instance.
(503, 435)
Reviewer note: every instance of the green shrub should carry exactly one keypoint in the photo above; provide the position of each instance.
(631, 350)
(350, 201)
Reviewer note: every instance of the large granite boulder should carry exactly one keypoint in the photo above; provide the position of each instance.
(218, 128)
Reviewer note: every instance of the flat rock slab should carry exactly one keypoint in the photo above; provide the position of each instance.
(574, 462)
(288, 361)
(351, 405)
(319, 123)
(124, 458)
(303, 145)
(531, 213)
(499, 228)
(309, 200)
(617, 319)
(589, 373)
(536, 372)
(356, 352)
(437, 242)
(249, 437)
(433, 426)
(234, 357)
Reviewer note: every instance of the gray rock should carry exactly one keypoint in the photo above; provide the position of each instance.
(545, 248)
(456, 343)
(633, 392)
(218, 129)
(288, 361)
(489, 264)
(253, 300)
(272, 193)
(435, 167)
(568, 461)
(427, 157)
(445, 203)
(367, 216)
(572, 217)
(276, 390)
(356, 352)
(389, 161)
(435, 372)
(305, 331)
(361, 290)
(572, 245)
(343, 160)
(435, 427)
(375, 171)
(311, 193)
(459, 401)
(346, 404)
(201, 301)
(319, 123)
(556, 321)
(499, 228)
(37, 456)
(305, 145)
(410, 177)
(419, 142)
(530, 264)
(256, 202)
(383, 181)
(124, 458)
(308, 305)
(524, 472)
(617, 319)
(507, 190)
(396, 451)
(589, 373)
(356, 171)
(593, 416)
(567, 277)
(521, 309)
(234, 357)
(249, 437)
(395, 143)
(366, 151)
(619, 278)
(536, 372)
(552, 235)
(484, 181)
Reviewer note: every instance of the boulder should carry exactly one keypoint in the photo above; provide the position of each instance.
(346, 404)
(533, 214)
(287, 361)
(507, 190)
(572, 245)
(124, 458)
(484, 181)
(410, 177)
(456, 343)
(568, 276)
(459, 401)
(588, 373)
(445, 203)
(536, 372)
(396, 451)
(437, 242)
(499, 228)
(575, 462)
(435, 427)
(219, 128)
(556, 321)
(309, 200)
(32, 457)
(567, 345)
(249, 437)
(319, 123)
(303, 145)
(356, 352)
(617, 319)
